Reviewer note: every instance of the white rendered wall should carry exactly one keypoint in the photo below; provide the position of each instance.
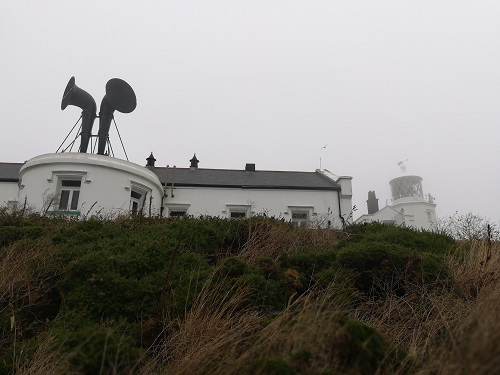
(386, 214)
(8, 192)
(106, 183)
(273, 203)
(345, 183)
(419, 215)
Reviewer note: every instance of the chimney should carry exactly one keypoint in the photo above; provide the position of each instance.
(372, 203)
(194, 163)
(151, 161)
(250, 167)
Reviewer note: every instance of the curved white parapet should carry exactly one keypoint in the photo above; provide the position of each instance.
(91, 159)
(106, 185)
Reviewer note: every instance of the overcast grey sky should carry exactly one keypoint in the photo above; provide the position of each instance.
(271, 82)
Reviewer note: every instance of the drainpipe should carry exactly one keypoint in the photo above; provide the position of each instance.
(340, 210)
(172, 186)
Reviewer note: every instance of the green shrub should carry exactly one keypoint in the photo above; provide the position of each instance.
(313, 266)
(368, 352)
(420, 241)
(232, 267)
(272, 366)
(130, 278)
(11, 234)
(386, 255)
(377, 265)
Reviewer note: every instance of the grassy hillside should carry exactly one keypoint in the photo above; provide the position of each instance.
(256, 296)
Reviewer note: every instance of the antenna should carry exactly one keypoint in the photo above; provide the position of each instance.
(320, 156)
(402, 165)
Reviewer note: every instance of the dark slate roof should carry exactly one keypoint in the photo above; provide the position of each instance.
(9, 172)
(246, 180)
(225, 178)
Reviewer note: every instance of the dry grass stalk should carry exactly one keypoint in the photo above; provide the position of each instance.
(416, 321)
(446, 331)
(475, 265)
(21, 290)
(47, 359)
(215, 331)
(272, 240)
(309, 327)
(17, 274)
(475, 344)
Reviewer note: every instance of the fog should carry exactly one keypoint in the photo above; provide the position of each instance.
(271, 83)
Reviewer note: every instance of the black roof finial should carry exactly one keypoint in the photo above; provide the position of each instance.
(194, 162)
(151, 161)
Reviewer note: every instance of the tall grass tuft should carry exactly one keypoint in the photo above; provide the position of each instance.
(448, 329)
(473, 345)
(272, 239)
(212, 334)
(315, 335)
(48, 358)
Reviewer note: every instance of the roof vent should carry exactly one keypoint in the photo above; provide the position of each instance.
(194, 162)
(250, 167)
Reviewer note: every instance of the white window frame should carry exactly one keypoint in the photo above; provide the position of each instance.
(242, 211)
(141, 189)
(135, 201)
(67, 176)
(177, 207)
(301, 210)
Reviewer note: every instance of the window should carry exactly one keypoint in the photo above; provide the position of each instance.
(238, 211)
(177, 209)
(238, 214)
(177, 213)
(69, 195)
(301, 219)
(135, 201)
(301, 215)
(138, 197)
(65, 198)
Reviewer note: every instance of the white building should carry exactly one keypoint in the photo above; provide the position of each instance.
(408, 205)
(87, 184)
(9, 189)
(318, 197)
(84, 184)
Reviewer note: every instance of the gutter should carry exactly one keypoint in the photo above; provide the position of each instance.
(9, 179)
(256, 187)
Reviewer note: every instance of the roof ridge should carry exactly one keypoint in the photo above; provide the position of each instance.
(231, 170)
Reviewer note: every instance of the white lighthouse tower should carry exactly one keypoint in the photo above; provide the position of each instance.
(408, 205)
